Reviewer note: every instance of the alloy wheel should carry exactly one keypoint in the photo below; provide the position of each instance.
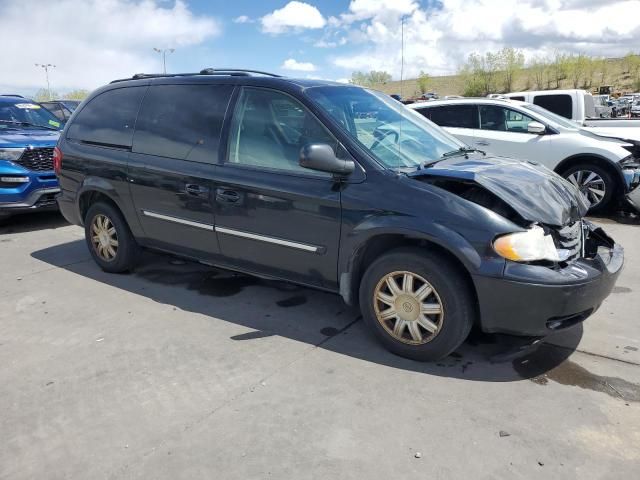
(590, 184)
(408, 307)
(104, 237)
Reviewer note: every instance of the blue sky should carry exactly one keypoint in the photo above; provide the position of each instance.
(94, 41)
(245, 45)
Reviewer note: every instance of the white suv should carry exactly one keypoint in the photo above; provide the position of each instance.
(602, 168)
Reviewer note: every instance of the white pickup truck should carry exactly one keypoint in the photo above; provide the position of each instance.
(579, 106)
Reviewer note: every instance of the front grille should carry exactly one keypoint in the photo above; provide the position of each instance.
(37, 159)
(570, 238)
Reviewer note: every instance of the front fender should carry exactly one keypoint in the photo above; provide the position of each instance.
(355, 243)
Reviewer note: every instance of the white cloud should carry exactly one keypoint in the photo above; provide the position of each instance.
(106, 39)
(243, 19)
(293, 16)
(291, 64)
(438, 39)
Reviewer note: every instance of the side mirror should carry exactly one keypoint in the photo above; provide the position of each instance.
(536, 127)
(321, 157)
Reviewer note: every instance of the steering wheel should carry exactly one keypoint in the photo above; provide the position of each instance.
(380, 135)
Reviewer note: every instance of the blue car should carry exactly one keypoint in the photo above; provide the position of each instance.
(28, 134)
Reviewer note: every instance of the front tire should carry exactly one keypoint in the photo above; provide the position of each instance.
(418, 304)
(595, 183)
(109, 239)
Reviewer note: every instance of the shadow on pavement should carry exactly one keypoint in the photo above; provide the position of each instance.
(30, 222)
(314, 317)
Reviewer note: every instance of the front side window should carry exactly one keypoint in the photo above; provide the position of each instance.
(393, 134)
(501, 119)
(182, 121)
(560, 104)
(270, 128)
(109, 118)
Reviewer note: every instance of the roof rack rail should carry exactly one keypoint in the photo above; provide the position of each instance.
(12, 95)
(238, 72)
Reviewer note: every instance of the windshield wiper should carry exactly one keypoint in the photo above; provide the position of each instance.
(28, 124)
(462, 151)
(453, 153)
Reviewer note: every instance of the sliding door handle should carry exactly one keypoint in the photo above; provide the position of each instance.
(224, 195)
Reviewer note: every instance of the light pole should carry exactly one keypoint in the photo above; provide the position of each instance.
(46, 72)
(164, 51)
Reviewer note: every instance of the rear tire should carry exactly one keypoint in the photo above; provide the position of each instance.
(109, 239)
(594, 182)
(439, 292)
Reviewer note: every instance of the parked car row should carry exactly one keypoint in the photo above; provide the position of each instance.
(426, 233)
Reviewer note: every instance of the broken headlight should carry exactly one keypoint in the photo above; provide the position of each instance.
(529, 246)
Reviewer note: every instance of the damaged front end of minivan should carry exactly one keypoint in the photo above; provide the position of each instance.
(558, 266)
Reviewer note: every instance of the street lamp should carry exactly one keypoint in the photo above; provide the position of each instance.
(164, 51)
(46, 72)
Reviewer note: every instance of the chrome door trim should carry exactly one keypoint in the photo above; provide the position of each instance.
(169, 218)
(264, 238)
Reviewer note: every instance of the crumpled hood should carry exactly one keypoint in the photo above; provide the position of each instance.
(536, 193)
(34, 137)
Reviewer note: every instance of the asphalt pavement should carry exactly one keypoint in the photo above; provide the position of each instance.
(184, 371)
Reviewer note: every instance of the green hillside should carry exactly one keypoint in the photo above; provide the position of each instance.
(615, 75)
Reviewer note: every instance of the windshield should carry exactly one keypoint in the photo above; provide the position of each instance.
(395, 135)
(557, 119)
(26, 114)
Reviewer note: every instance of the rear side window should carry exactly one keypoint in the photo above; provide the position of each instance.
(459, 116)
(182, 121)
(109, 118)
(560, 104)
(517, 97)
(56, 109)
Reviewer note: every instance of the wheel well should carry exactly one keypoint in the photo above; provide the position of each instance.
(90, 197)
(382, 244)
(567, 163)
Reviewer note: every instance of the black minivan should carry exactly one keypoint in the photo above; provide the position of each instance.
(335, 187)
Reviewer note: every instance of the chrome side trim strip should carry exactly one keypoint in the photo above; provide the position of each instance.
(169, 218)
(263, 238)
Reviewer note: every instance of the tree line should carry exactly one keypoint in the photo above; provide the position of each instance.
(42, 95)
(501, 71)
(497, 72)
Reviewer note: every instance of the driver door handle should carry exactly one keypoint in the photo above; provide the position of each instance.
(196, 190)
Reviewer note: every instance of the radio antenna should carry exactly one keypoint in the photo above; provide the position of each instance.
(401, 91)
(401, 54)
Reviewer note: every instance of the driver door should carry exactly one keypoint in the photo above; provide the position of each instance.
(272, 215)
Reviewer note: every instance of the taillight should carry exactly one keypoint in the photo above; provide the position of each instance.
(57, 160)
